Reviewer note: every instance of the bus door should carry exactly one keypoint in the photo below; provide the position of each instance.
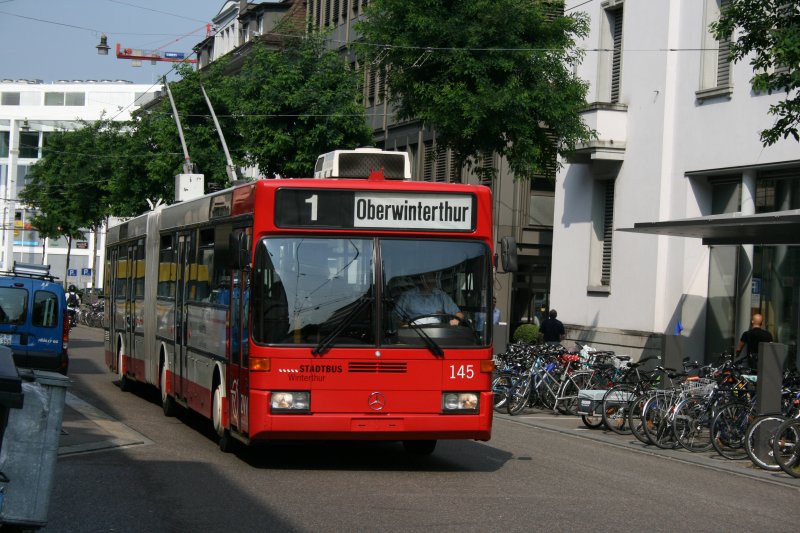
(115, 317)
(184, 260)
(237, 374)
(130, 307)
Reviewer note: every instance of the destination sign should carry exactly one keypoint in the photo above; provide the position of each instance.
(393, 210)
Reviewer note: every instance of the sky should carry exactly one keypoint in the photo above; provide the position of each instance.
(52, 40)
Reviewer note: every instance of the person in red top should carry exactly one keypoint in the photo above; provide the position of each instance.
(752, 338)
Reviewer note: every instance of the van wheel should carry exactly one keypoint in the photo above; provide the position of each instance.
(125, 384)
(226, 442)
(167, 402)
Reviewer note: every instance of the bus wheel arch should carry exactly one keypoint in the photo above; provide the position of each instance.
(168, 404)
(125, 384)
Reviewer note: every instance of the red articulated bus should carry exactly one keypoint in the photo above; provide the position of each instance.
(348, 306)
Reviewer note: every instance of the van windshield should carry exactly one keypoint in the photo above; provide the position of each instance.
(13, 305)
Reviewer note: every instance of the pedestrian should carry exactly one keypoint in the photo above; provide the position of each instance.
(495, 312)
(552, 329)
(752, 338)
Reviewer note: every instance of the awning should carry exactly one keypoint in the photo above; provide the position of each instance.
(777, 227)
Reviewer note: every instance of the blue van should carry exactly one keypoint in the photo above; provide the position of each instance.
(33, 318)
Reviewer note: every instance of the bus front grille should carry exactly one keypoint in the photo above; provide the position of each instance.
(376, 367)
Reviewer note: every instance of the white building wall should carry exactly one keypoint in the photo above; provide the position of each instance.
(655, 280)
(115, 99)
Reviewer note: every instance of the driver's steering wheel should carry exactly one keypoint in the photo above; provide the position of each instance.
(444, 319)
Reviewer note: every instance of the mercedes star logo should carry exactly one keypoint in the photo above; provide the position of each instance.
(376, 401)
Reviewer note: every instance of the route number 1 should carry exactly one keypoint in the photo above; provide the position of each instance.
(313, 201)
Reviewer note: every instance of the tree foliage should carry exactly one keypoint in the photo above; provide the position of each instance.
(279, 112)
(768, 33)
(486, 75)
(69, 186)
(294, 105)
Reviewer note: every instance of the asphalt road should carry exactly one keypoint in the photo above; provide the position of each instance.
(124, 467)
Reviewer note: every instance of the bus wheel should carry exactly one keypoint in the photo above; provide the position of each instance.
(419, 447)
(225, 440)
(125, 384)
(167, 401)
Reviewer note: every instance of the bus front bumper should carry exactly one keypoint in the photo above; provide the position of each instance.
(368, 426)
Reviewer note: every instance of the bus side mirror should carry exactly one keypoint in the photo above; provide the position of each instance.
(508, 254)
(240, 254)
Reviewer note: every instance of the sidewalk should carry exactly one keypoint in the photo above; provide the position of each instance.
(574, 426)
(85, 429)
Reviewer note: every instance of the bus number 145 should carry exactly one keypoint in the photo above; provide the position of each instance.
(462, 372)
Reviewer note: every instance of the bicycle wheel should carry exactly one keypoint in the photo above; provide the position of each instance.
(657, 416)
(615, 407)
(568, 399)
(500, 389)
(635, 420)
(729, 428)
(518, 395)
(692, 425)
(786, 447)
(548, 389)
(759, 439)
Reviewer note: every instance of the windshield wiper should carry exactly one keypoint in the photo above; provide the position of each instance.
(430, 343)
(326, 343)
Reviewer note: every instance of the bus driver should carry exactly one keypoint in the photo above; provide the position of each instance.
(420, 304)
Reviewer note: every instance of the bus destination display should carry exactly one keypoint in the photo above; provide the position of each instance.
(374, 210)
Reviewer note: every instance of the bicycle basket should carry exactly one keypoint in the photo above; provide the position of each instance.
(699, 387)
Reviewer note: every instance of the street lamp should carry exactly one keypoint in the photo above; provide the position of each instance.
(103, 47)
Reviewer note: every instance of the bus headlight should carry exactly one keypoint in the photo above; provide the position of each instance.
(460, 402)
(291, 402)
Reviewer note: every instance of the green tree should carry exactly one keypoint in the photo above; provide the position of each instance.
(767, 32)
(67, 186)
(293, 104)
(486, 75)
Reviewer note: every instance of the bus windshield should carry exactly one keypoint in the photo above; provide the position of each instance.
(322, 292)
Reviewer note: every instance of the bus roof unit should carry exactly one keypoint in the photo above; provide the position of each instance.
(362, 162)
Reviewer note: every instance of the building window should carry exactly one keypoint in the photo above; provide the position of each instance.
(29, 144)
(715, 74)
(601, 244)
(726, 195)
(53, 98)
(610, 60)
(9, 99)
(439, 164)
(486, 163)
(65, 99)
(542, 202)
(75, 99)
(777, 191)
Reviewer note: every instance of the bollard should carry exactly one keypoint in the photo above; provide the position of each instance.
(771, 358)
(499, 337)
(673, 356)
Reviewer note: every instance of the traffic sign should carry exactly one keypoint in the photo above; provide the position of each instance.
(72, 272)
(86, 272)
